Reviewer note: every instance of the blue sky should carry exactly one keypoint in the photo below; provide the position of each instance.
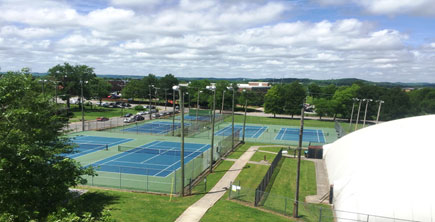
(377, 40)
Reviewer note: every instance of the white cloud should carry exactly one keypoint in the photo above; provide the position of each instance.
(212, 38)
(390, 7)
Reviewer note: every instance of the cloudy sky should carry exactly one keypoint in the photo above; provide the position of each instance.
(378, 40)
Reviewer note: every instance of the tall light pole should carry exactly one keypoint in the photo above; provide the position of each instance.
(173, 111)
(365, 113)
(149, 90)
(157, 96)
(43, 83)
(166, 98)
(357, 116)
(351, 115)
(181, 94)
(223, 99)
(212, 88)
(197, 105)
(244, 119)
(301, 131)
(379, 110)
(82, 104)
(232, 113)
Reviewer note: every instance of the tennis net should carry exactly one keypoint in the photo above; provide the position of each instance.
(92, 146)
(157, 151)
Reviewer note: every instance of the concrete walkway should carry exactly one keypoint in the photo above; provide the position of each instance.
(197, 210)
(322, 183)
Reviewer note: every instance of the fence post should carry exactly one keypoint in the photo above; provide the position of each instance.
(231, 188)
(190, 186)
(238, 190)
(320, 214)
(120, 178)
(147, 187)
(256, 197)
(285, 205)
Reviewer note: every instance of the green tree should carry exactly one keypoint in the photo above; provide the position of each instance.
(314, 90)
(273, 100)
(35, 177)
(133, 89)
(397, 104)
(328, 91)
(342, 100)
(294, 98)
(165, 84)
(324, 107)
(100, 88)
(69, 77)
(204, 96)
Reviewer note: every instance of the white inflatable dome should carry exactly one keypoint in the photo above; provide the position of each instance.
(385, 172)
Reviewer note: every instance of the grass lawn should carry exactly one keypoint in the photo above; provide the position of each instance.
(225, 210)
(131, 206)
(259, 156)
(97, 111)
(241, 150)
(281, 121)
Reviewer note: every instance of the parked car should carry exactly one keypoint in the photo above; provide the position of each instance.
(156, 115)
(102, 119)
(141, 113)
(129, 120)
(128, 115)
(139, 118)
(154, 111)
(104, 104)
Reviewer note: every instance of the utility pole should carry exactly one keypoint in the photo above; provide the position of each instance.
(357, 116)
(223, 99)
(232, 113)
(379, 110)
(81, 104)
(244, 119)
(166, 98)
(365, 113)
(173, 111)
(197, 106)
(149, 90)
(351, 115)
(182, 141)
(213, 88)
(301, 131)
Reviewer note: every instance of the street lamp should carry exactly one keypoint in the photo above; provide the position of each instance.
(223, 99)
(365, 113)
(357, 116)
(379, 110)
(181, 94)
(244, 119)
(166, 98)
(197, 105)
(43, 83)
(351, 115)
(149, 90)
(82, 104)
(232, 113)
(212, 88)
(173, 111)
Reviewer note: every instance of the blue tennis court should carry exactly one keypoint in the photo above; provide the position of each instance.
(250, 131)
(309, 135)
(158, 158)
(157, 127)
(200, 117)
(90, 144)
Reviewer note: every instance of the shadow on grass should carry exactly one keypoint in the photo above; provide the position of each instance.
(223, 171)
(92, 202)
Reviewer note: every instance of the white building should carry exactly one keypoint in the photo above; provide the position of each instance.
(385, 171)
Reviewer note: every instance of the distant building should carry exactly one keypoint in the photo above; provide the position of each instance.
(255, 86)
(408, 89)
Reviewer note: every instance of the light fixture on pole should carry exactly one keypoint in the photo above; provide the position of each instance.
(197, 105)
(357, 116)
(232, 113)
(365, 113)
(181, 94)
(379, 110)
(166, 98)
(351, 114)
(43, 83)
(244, 119)
(149, 91)
(173, 111)
(223, 100)
(82, 103)
(212, 88)
(301, 132)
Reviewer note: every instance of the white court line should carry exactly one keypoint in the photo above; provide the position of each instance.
(138, 163)
(259, 130)
(160, 154)
(128, 153)
(283, 133)
(318, 137)
(180, 160)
